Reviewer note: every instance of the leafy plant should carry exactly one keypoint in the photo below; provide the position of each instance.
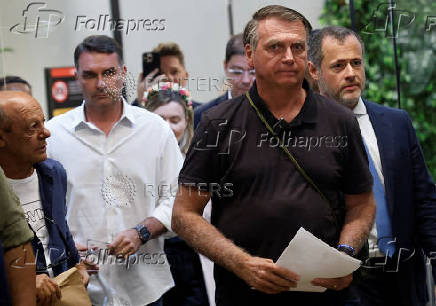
(416, 43)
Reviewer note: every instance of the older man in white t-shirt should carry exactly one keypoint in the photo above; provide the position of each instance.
(41, 186)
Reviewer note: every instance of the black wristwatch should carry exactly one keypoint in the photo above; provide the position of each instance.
(347, 249)
(143, 233)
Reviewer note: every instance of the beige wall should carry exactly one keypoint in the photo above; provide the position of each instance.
(199, 26)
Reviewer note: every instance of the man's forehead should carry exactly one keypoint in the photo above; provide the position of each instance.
(7, 96)
(15, 102)
(93, 60)
(279, 27)
(332, 42)
(170, 61)
(238, 60)
(331, 46)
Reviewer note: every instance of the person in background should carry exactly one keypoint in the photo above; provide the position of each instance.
(174, 105)
(40, 184)
(172, 69)
(239, 76)
(405, 223)
(15, 83)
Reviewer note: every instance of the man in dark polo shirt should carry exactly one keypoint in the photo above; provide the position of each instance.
(259, 198)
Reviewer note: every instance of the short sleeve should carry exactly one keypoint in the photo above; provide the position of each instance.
(204, 159)
(14, 229)
(170, 162)
(357, 177)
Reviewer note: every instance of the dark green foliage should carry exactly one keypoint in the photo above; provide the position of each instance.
(416, 44)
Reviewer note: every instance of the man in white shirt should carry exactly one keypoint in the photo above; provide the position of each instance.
(404, 191)
(41, 187)
(122, 162)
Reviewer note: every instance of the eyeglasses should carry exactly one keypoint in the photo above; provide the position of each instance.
(236, 72)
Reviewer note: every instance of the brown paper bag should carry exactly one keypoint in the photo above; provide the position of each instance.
(73, 291)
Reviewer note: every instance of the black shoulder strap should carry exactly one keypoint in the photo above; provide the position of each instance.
(285, 149)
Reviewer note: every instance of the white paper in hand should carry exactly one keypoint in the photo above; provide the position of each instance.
(312, 258)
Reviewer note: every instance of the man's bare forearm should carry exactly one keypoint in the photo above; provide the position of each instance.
(359, 218)
(20, 270)
(206, 239)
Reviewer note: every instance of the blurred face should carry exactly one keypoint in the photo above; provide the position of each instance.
(240, 75)
(280, 58)
(101, 78)
(173, 69)
(25, 141)
(342, 75)
(174, 114)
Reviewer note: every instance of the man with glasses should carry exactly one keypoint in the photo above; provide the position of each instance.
(239, 75)
(121, 162)
(40, 184)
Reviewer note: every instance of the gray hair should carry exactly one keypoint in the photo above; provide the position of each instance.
(316, 38)
(250, 32)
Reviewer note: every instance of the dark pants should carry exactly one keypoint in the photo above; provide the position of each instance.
(5, 299)
(380, 289)
(189, 289)
(383, 285)
(157, 303)
(235, 292)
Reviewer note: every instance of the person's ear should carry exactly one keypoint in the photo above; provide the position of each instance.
(249, 53)
(314, 73)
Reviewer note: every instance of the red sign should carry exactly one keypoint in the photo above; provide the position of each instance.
(59, 91)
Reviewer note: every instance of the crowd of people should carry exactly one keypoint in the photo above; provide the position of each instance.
(184, 203)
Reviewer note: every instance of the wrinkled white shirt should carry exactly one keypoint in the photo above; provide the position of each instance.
(370, 139)
(112, 185)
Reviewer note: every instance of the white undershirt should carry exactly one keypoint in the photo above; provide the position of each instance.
(370, 139)
(27, 190)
